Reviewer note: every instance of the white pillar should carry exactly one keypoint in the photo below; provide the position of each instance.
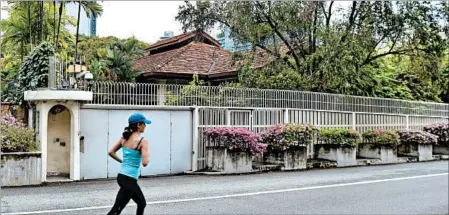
(354, 127)
(43, 109)
(407, 122)
(75, 161)
(286, 116)
(195, 139)
(161, 92)
(228, 117)
(30, 117)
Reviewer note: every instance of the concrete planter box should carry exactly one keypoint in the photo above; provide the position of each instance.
(386, 154)
(423, 152)
(21, 168)
(343, 155)
(292, 159)
(222, 160)
(441, 150)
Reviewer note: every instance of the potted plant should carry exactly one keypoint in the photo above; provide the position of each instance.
(21, 162)
(442, 131)
(338, 145)
(231, 150)
(416, 143)
(380, 144)
(287, 145)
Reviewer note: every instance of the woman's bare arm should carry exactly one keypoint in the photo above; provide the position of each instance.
(145, 152)
(114, 149)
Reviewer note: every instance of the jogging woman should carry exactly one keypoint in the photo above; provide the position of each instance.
(135, 151)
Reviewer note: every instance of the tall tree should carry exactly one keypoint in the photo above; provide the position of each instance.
(91, 8)
(335, 50)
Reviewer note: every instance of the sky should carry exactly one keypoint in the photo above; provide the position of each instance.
(146, 20)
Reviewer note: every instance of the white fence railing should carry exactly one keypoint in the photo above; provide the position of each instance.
(259, 120)
(113, 93)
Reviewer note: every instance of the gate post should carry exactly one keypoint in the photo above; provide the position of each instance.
(286, 116)
(195, 139)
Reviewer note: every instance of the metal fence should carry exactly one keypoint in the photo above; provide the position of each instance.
(113, 93)
(258, 120)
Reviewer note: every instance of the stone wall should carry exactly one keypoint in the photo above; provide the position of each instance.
(220, 159)
(441, 150)
(21, 168)
(423, 152)
(288, 160)
(344, 156)
(385, 154)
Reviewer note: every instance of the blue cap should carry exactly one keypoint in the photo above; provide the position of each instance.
(138, 118)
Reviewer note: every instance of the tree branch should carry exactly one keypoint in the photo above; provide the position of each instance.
(279, 34)
(351, 20)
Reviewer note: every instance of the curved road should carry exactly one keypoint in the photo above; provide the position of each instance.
(413, 188)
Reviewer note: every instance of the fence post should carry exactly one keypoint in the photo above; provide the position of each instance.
(354, 127)
(286, 116)
(228, 118)
(407, 122)
(195, 139)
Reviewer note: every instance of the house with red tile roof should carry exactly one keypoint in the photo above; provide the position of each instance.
(175, 60)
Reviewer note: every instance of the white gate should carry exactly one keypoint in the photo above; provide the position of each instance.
(169, 136)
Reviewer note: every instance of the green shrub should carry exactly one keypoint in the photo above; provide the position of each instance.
(338, 136)
(16, 137)
(381, 137)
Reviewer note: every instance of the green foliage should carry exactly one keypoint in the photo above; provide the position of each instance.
(33, 70)
(338, 136)
(120, 60)
(16, 137)
(381, 137)
(189, 95)
(279, 76)
(372, 48)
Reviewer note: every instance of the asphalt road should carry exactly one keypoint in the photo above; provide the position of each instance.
(415, 188)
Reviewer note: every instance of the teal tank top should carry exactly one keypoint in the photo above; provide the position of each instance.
(131, 161)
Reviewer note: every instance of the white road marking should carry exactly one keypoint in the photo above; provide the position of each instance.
(233, 195)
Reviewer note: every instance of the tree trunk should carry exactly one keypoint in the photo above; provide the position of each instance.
(41, 17)
(77, 31)
(61, 7)
(54, 21)
(29, 24)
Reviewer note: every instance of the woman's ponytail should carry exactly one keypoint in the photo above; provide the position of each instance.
(129, 130)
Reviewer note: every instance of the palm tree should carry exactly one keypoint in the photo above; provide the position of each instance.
(90, 7)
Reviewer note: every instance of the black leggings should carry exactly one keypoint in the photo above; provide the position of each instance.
(129, 189)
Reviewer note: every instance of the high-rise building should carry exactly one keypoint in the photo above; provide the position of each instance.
(88, 26)
(167, 34)
(230, 44)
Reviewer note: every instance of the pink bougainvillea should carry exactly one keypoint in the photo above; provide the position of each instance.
(235, 139)
(286, 136)
(417, 137)
(441, 130)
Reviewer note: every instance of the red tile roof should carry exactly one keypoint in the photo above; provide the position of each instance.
(193, 58)
(204, 58)
(182, 38)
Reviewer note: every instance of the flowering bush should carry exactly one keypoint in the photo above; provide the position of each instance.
(381, 137)
(441, 130)
(414, 137)
(16, 137)
(337, 136)
(287, 136)
(235, 139)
